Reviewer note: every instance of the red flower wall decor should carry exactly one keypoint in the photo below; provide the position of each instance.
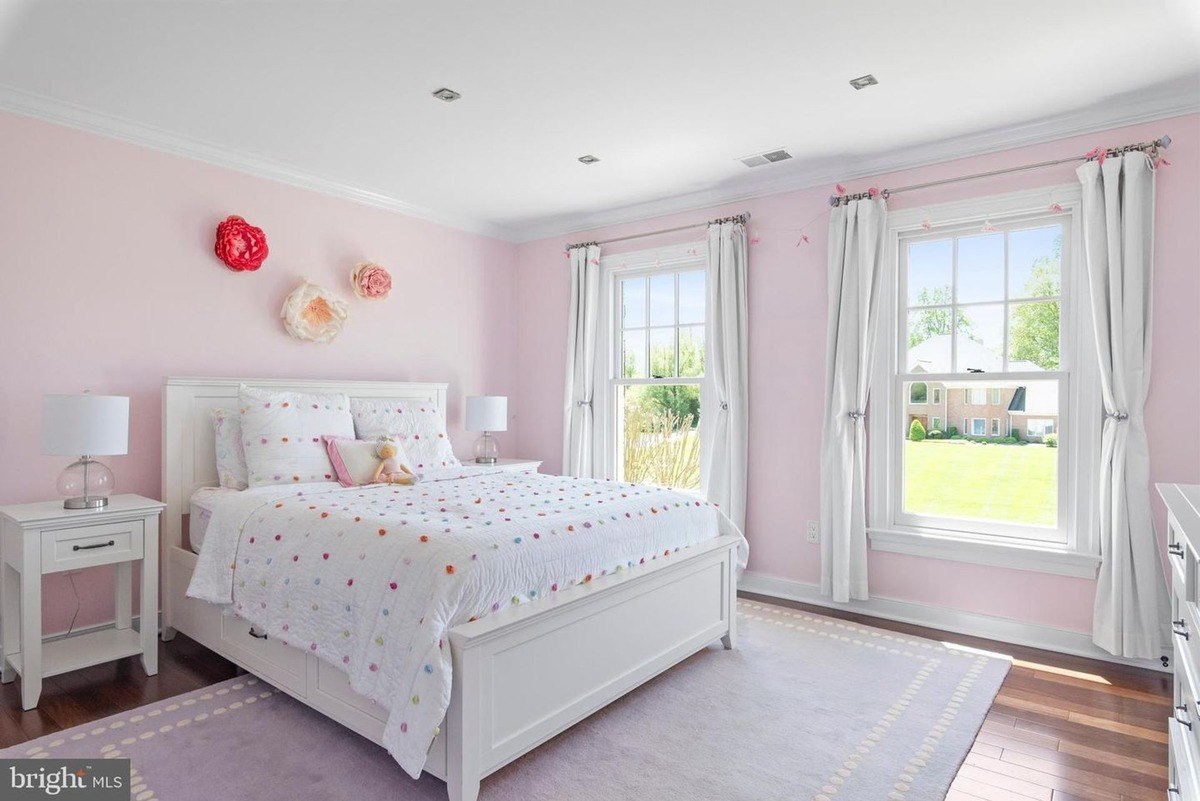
(240, 245)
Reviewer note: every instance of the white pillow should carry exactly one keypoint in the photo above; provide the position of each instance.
(281, 433)
(231, 457)
(416, 424)
(355, 460)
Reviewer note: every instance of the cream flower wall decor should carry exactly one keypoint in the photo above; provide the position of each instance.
(312, 314)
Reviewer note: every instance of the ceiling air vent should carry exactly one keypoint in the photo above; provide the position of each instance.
(759, 159)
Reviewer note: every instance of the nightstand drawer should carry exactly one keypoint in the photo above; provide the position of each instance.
(89, 546)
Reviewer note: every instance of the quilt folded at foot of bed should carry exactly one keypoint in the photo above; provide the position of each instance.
(371, 579)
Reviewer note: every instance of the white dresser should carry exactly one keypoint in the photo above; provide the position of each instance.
(1183, 548)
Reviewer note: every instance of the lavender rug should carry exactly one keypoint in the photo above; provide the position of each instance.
(807, 708)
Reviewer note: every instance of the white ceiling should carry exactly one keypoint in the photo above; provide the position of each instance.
(668, 93)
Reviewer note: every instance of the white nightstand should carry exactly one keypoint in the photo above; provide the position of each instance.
(513, 465)
(41, 538)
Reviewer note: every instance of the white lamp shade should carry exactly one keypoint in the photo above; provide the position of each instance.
(85, 425)
(487, 413)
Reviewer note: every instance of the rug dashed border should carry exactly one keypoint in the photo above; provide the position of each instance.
(139, 789)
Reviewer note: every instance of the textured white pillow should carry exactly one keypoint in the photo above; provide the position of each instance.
(281, 434)
(231, 458)
(416, 424)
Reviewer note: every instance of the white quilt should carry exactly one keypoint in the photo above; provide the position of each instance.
(371, 579)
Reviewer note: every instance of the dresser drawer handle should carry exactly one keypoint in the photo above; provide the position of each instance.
(1185, 720)
(1175, 549)
(256, 634)
(90, 547)
(1179, 627)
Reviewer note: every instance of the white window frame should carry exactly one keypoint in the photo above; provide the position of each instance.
(997, 396)
(937, 394)
(995, 429)
(970, 393)
(918, 403)
(613, 269)
(1076, 551)
(936, 423)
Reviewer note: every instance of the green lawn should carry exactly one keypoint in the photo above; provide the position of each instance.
(1011, 483)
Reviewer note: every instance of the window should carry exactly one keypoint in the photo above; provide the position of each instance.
(937, 394)
(937, 424)
(917, 393)
(657, 371)
(979, 310)
(1039, 427)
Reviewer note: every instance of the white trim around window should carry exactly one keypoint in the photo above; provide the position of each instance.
(1075, 551)
(612, 269)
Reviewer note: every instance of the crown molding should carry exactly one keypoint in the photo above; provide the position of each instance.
(1175, 100)
(58, 112)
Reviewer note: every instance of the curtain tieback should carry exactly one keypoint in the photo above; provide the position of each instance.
(1120, 417)
(724, 406)
(583, 403)
(857, 416)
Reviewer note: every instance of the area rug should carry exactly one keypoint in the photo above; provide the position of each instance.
(807, 707)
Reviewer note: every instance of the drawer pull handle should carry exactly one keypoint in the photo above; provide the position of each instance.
(90, 547)
(1185, 720)
(1179, 627)
(1175, 549)
(257, 634)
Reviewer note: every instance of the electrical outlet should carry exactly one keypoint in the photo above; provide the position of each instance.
(814, 531)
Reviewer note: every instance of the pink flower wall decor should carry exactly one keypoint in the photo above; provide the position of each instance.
(240, 245)
(371, 281)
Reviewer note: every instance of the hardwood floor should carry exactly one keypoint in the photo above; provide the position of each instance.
(1063, 728)
(96, 692)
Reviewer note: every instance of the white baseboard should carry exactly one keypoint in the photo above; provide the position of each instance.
(1017, 632)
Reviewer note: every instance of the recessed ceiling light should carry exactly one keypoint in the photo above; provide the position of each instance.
(588, 159)
(863, 82)
(449, 95)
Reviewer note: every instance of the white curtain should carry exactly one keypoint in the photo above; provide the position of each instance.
(580, 456)
(1132, 607)
(856, 236)
(724, 422)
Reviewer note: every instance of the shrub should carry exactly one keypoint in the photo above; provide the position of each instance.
(952, 432)
(1008, 440)
(1050, 440)
(957, 437)
(933, 433)
(916, 431)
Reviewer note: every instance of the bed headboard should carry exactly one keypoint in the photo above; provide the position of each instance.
(189, 459)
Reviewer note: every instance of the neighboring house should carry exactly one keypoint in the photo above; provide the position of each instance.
(975, 408)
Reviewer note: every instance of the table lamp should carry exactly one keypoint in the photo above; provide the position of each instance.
(91, 425)
(487, 413)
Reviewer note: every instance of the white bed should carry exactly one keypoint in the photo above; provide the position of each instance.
(520, 675)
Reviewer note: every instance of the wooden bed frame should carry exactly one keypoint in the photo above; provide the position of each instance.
(521, 675)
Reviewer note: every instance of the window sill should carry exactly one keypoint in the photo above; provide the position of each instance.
(1042, 558)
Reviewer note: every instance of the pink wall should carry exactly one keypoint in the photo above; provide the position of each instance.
(110, 283)
(787, 341)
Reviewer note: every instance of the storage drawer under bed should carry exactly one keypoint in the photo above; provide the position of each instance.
(278, 663)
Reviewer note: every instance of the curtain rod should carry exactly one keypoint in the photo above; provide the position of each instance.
(742, 218)
(1165, 141)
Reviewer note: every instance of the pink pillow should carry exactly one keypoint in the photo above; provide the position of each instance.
(354, 460)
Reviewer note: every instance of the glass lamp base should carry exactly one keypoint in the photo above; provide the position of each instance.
(86, 484)
(486, 450)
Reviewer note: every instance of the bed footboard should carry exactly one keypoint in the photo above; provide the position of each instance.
(560, 660)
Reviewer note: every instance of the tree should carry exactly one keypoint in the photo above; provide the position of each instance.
(936, 322)
(916, 431)
(1034, 327)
